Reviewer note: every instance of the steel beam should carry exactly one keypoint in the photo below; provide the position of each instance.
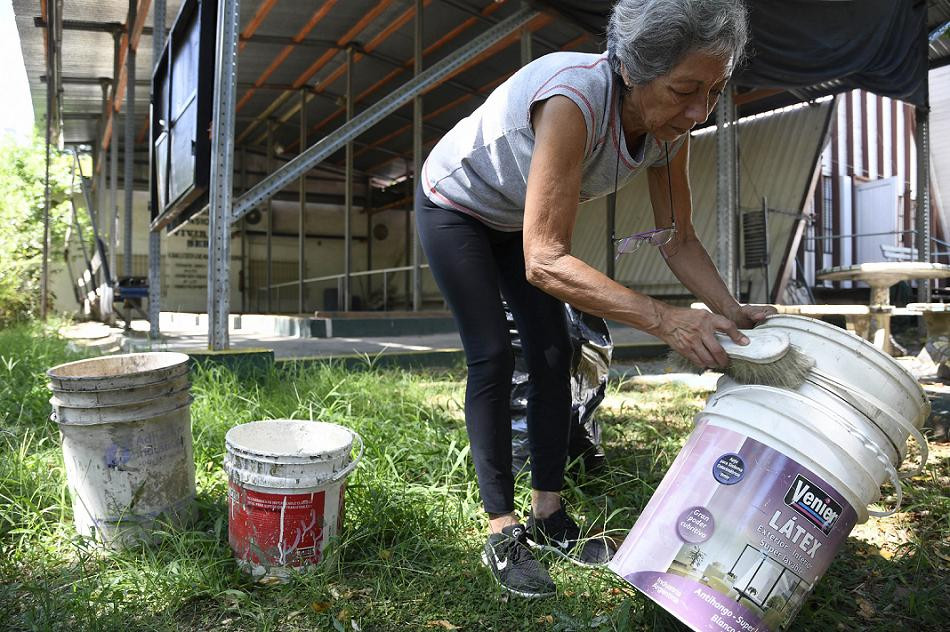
(348, 190)
(366, 119)
(269, 221)
(244, 254)
(128, 182)
(155, 236)
(44, 275)
(417, 159)
(726, 191)
(113, 215)
(222, 159)
(301, 220)
(923, 219)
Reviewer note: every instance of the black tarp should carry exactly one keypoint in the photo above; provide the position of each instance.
(877, 45)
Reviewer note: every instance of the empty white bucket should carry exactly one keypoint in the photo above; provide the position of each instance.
(286, 480)
(753, 509)
(125, 424)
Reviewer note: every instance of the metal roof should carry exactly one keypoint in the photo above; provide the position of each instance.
(381, 32)
(778, 153)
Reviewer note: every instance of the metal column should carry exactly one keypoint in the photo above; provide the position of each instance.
(368, 210)
(222, 159)
(923, 220)
(301, 222)
(417, 160)
(102, 158)
(113, 215)
(348, 188)
(50, 87)
(155, 236)
(128, 147)
(726, 189)
(245, 282)
(269, 225)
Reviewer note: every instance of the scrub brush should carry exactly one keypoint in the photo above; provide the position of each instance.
(770, 359)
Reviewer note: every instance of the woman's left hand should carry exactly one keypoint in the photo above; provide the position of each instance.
(748, 316)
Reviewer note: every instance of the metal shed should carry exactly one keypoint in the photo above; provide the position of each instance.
(296, 64)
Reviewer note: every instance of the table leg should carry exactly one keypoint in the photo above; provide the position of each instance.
(879, 331)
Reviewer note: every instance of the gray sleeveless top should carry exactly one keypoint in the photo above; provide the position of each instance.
(480, 167)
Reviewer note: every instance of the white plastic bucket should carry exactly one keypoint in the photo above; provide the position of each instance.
(287, 480)
(125, 424)
(754, 508)
(856, 364)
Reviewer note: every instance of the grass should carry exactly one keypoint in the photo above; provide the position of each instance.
(408, 557)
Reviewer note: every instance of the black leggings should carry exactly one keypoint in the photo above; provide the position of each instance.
(474, 265)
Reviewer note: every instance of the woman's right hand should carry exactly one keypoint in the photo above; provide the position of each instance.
(692, 333)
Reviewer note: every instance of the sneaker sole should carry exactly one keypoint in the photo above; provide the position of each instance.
(519, 593)
(559, 552)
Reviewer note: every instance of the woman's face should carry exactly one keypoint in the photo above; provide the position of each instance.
(671, 105)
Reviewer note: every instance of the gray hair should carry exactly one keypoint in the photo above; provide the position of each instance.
(649, 37)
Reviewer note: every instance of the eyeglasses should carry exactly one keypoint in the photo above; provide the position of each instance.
(658, 236)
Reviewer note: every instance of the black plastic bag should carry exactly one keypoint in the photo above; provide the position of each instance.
(590, 362)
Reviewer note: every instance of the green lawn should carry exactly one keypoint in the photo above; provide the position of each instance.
(408, 557)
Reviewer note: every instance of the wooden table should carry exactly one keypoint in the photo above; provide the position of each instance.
(881, 276)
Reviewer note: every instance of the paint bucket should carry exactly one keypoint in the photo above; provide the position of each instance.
(856, 364)
(286, 481)
(754, 508)
(125, 425)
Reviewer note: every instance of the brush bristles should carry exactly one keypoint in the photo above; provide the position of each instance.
(788, 371)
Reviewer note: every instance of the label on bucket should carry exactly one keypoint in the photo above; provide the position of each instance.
(736, 535)
(274, 529)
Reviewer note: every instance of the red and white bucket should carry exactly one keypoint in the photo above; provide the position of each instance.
(286, 482)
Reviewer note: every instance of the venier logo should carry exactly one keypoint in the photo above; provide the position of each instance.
(813, 502)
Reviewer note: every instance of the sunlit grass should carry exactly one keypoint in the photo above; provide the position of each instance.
(408, 557)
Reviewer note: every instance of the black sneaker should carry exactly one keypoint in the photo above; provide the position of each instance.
(559, 533)
(511, 562)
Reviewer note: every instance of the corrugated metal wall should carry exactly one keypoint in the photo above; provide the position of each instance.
(777, 158)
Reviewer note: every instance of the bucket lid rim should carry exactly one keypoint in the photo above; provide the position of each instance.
(234, 441)
(181, 358)
(169, 379)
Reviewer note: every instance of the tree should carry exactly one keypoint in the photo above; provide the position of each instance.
(22, 203)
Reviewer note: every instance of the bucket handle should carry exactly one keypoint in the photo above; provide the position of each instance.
(352, 464)
(888, 467)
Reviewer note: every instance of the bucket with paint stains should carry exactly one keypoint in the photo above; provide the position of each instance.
(286, 482)
(125, 424)
(754, 508)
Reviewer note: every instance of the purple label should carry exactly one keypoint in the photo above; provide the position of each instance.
(695, 525)
(724, 556)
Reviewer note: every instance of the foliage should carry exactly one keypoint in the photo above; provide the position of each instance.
(22, 205)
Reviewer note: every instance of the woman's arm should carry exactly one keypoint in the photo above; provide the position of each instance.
(554, 184)
(685, 254)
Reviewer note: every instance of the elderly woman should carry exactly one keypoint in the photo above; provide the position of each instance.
(501, 194)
